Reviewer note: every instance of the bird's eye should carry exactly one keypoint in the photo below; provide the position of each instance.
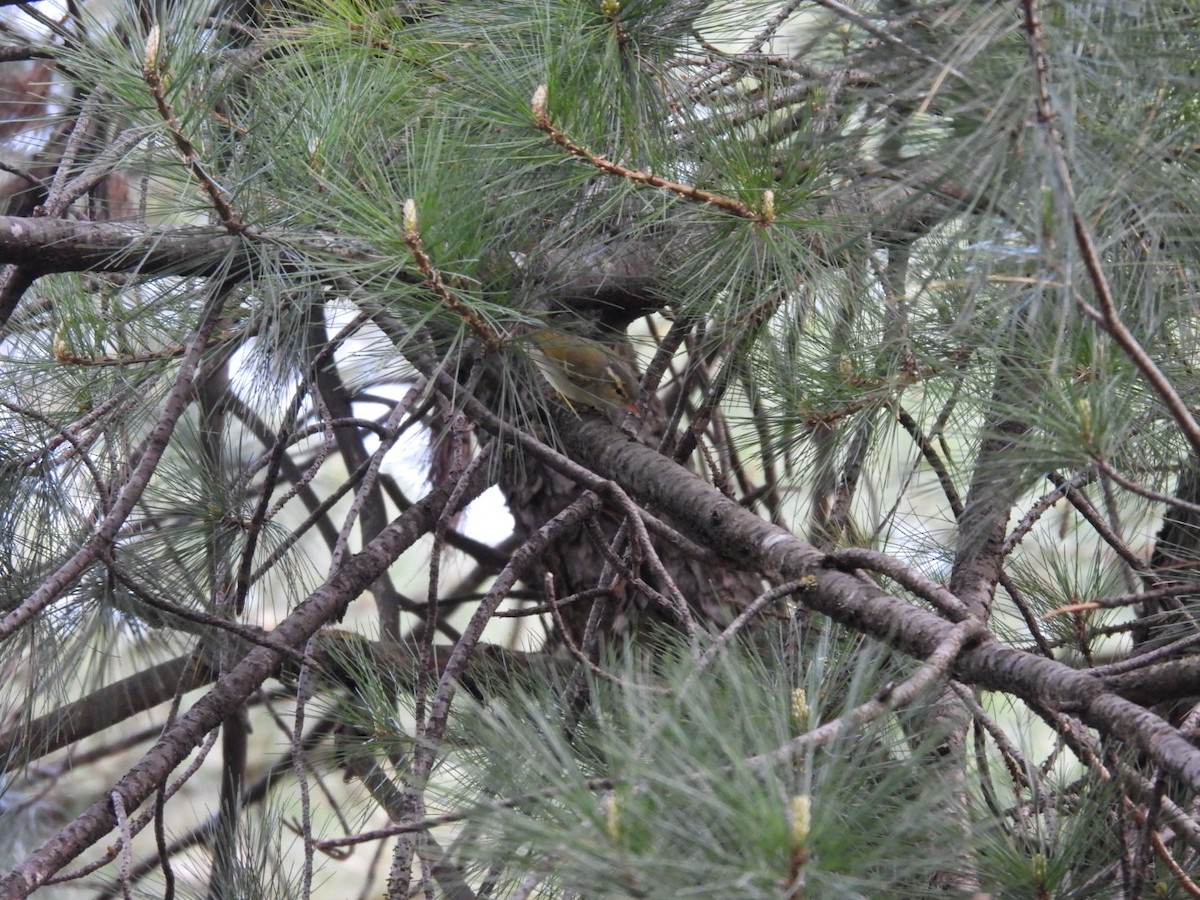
(617, 382)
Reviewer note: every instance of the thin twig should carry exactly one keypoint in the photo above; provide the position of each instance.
(138, 824)
(1047, 500)
(1167, 651)
(956, 507)
(1107, 314)
(256, 793)
(890, 697)
(106, 530)
(303, 690)
(437, 284)
(1134, 488)
(1160, 848)
(433, 602)
(580, 656)
(216, 194)
(1014, 761)
(392, 432)
(431, 822)
(545, 608)
(1174, 590)
(724, 61)
(757, 605)
(1084, 507)
(452, 673)
(248, 633)
(674, 595)
(114, 152)
(930, 455)
(763, 216)
(126, 867)
(906, 576)
(23, 174)
(884, 35)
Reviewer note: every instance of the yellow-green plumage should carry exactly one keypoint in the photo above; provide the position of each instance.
(587, 372)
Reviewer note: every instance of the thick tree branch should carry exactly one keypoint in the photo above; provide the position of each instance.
(102, 709)
(708, 516)
(325, 604)
(46, 246)
(123, 699)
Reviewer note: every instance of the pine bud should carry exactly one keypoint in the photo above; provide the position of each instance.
(539, 102)
(800, 711)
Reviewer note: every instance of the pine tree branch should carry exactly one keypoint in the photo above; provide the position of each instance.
(325, 604)
(113, 704)
(1107, 314)
(763, 216)
(101, 709)
(102, 538)
(934, 669)
(45, 246)
(708, 517)
(153, 77)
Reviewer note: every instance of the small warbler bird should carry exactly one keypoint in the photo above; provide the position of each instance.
(588, 372)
